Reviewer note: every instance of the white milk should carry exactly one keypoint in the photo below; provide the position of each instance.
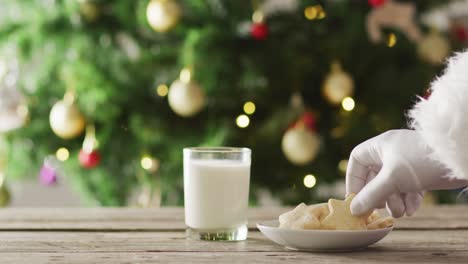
(216, 193)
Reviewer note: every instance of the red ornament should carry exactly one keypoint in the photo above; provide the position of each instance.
(89, 160)
(259, 31)
(461, 33)
(376, 3)
(309, 120)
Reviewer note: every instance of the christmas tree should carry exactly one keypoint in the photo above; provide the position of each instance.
(108, 93)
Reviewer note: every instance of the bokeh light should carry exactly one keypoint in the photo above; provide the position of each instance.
(162, 90)
(62, 154)
(391, 40)
(242, 121)
(310, 181)
(310, 12)
(342, 165)
(149, 163)
(348, 103)
(314, 12)
(249, 108)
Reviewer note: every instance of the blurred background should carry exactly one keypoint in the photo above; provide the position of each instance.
(98, 97)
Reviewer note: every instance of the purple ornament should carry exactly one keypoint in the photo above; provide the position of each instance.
(48, 175)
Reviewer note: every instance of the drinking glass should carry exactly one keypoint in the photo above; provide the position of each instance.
(216, 192)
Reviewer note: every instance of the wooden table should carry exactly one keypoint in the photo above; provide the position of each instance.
(130, 235)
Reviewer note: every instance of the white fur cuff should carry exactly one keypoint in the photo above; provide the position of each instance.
(442, 120)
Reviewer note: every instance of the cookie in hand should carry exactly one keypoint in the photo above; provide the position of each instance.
(340, 217)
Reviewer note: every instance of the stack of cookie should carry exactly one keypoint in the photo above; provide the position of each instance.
(334, 215)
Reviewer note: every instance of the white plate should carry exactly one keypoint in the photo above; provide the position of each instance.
(321, 240)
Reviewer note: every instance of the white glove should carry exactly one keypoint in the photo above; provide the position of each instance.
(394, 168)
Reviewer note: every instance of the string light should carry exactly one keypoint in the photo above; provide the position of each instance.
(309, 181)
(242, 121)
(342, 165)
(314, 12)
(249, 108)
(150, 164)
(348, 103)
(62, 154)
(391, 40)
(162, 90)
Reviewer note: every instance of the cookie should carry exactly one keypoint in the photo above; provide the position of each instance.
(302, 217)
(383, 222)
(373, 217)
(320, 211)
(334, 215)
(340, 217)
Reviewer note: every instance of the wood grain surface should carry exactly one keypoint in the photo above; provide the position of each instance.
(131, 235)
(171, 219)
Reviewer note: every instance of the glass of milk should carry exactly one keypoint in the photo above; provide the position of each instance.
(216, 192)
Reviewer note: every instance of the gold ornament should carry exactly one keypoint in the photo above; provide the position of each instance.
(185, 97)
(66, 119)
(338, 84)
(300, 145)
(163, 15)
(434, 48)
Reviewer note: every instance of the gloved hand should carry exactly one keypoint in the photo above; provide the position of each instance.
(394, 168)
